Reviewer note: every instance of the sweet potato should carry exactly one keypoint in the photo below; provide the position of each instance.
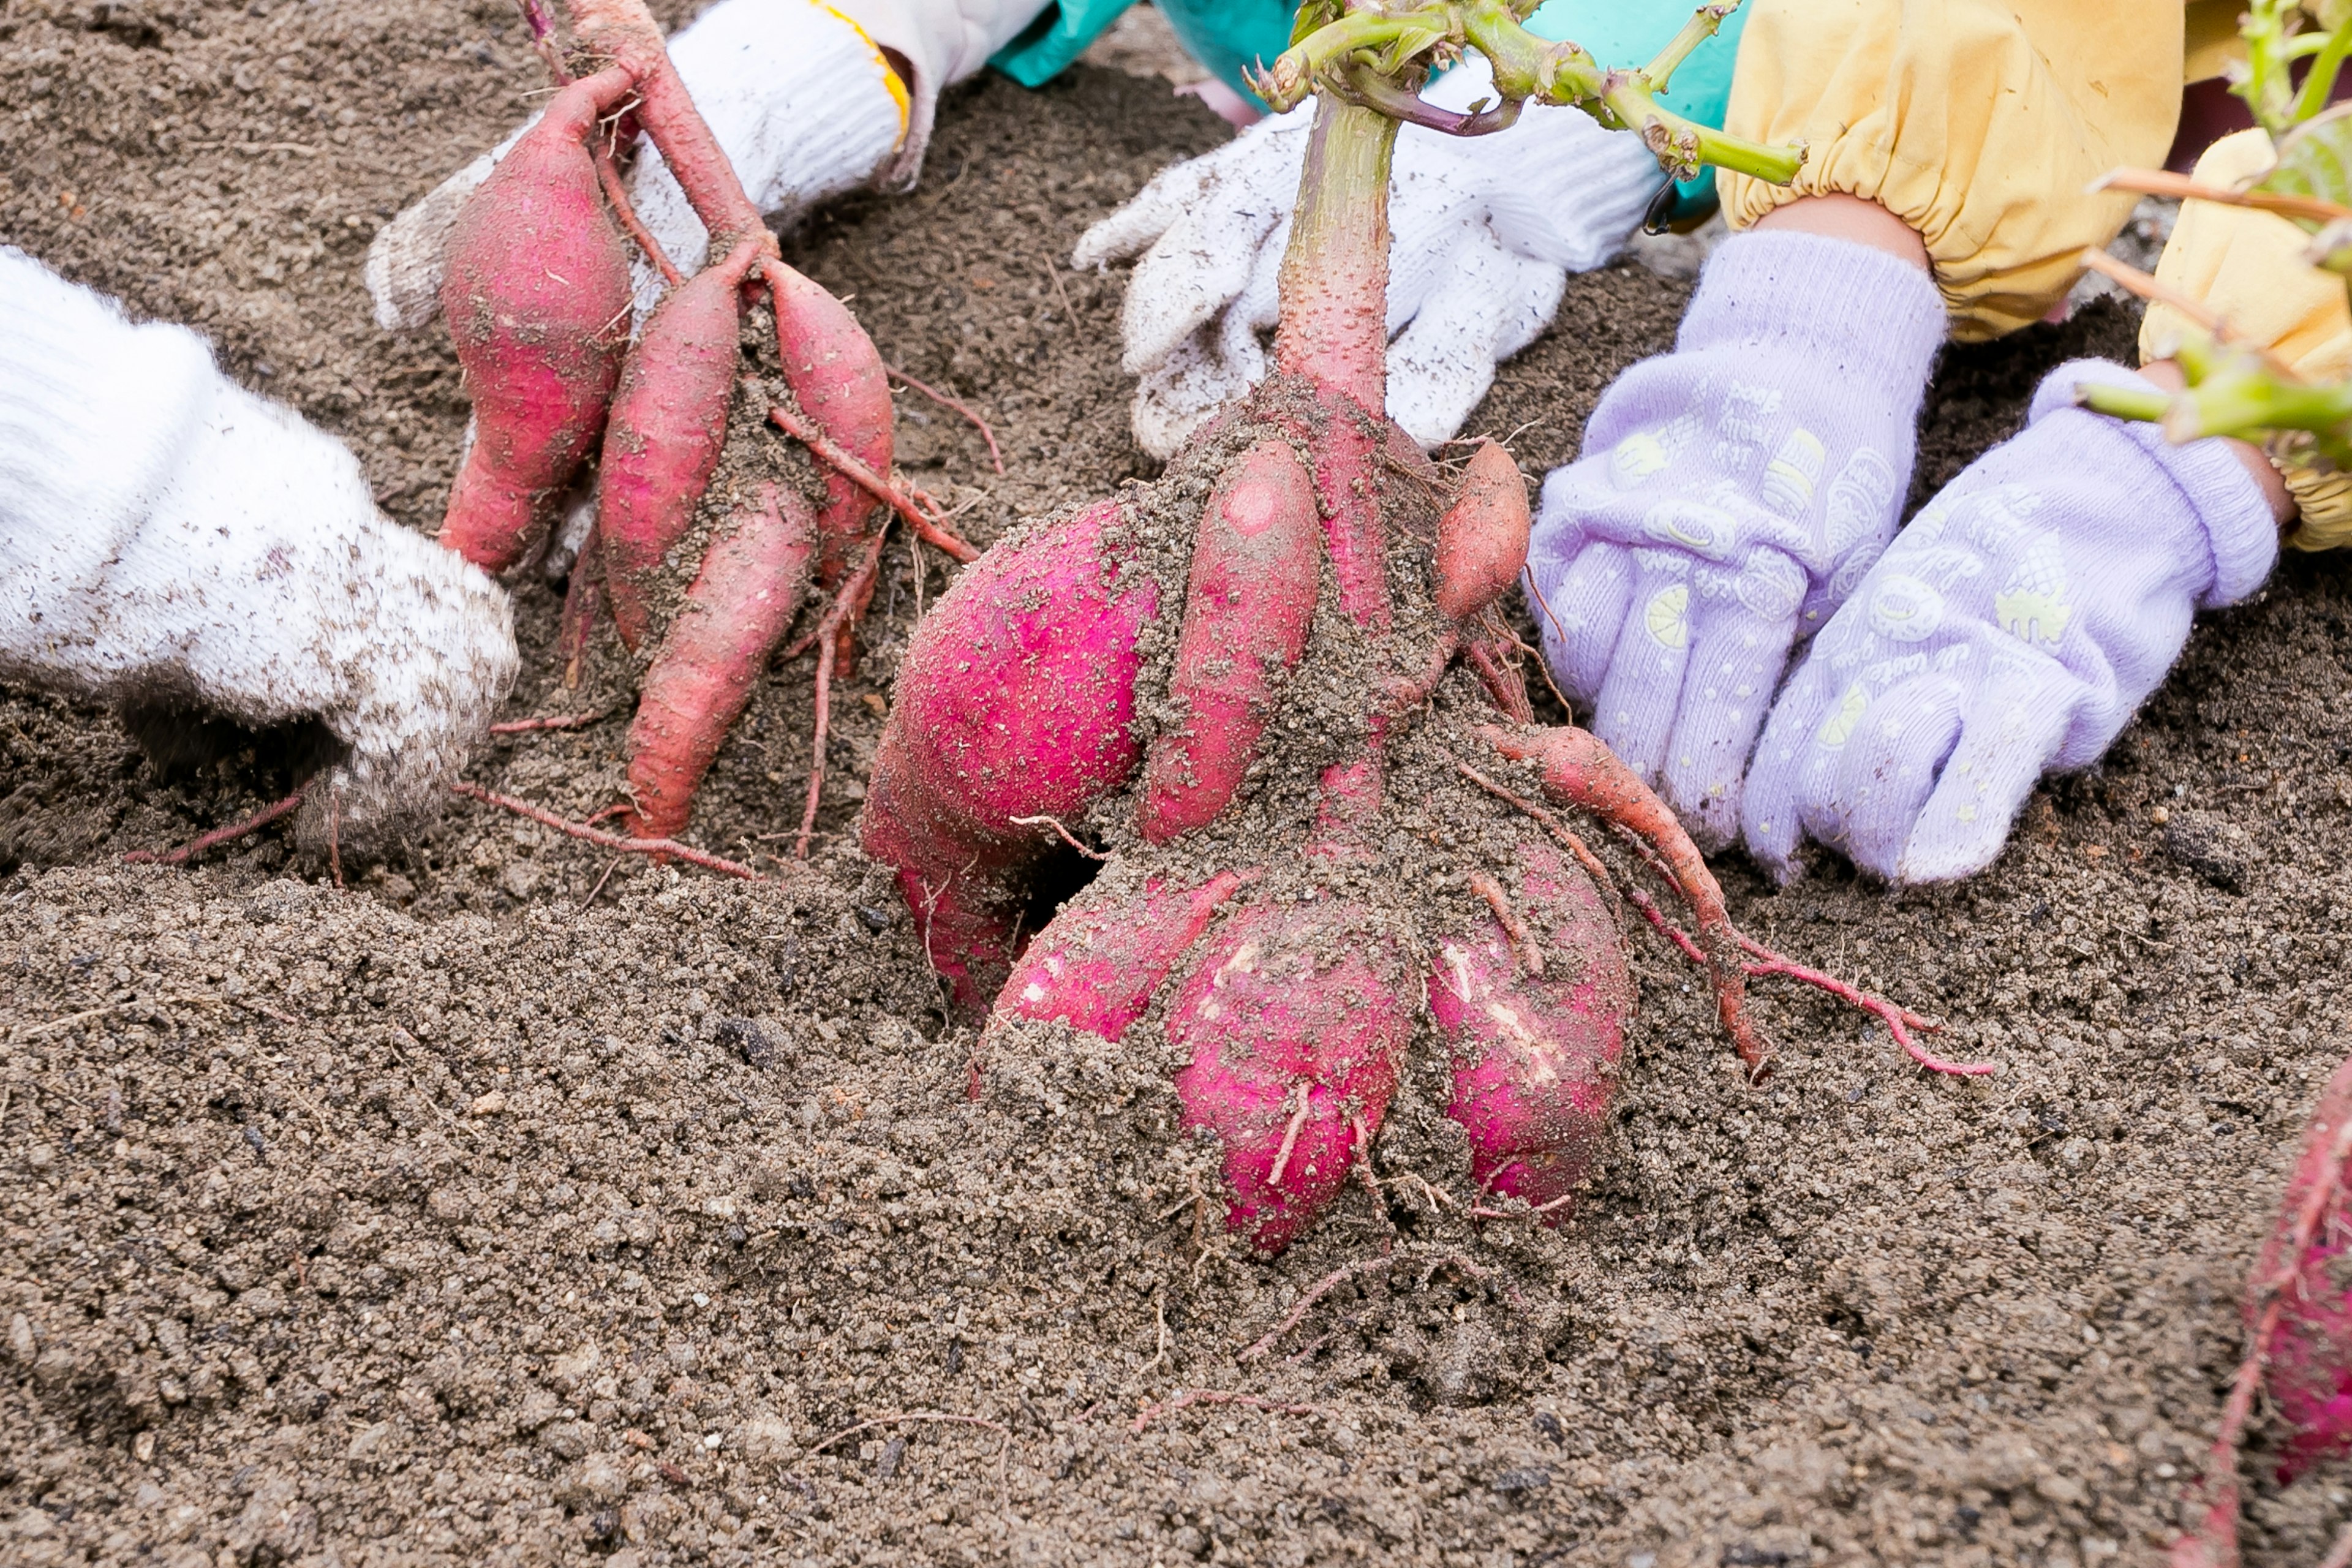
(1015, 700)
(537, 299)
(1246, 608)
(1533, 1046)
(1291, 1023)
(1482, 540)
(752, 582)
(667, 424)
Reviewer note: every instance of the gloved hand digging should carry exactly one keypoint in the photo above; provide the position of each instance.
(1730, 495)
(2010, 631)
(169, 541)
(1485, 232)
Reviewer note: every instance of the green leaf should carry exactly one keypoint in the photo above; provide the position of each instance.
(2314, 159)
(1314, 14)
(1405, 46)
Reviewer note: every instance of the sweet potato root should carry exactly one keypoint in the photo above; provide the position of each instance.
(1291, 1023)
(1015, 700)
(1534, 1043)
(753, 579)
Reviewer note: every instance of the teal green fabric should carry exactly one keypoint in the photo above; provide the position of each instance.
(1227, 36)
(1629, 32)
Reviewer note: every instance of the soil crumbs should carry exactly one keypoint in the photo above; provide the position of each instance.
(465, 1217)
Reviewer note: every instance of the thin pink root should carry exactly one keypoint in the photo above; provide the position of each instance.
(553, 722)
(655, 846)
(219, 836)
(1185, 1397)
(928, 526)
(845, 604)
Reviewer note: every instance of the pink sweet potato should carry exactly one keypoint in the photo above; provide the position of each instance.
(837, 377)
(537, 299)
(1534, 1047)
(1482, 540)
(752, 582)
(2310, 1377)
(1096, 966)
(663, 439)
(1291, 1023)
(1246, 608)
(1015, 700)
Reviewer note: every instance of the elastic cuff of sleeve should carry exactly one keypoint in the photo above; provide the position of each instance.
(2322, 493)
(1843, 307)
(2236, 516)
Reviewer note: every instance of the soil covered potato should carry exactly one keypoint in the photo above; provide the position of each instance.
(465, 1217)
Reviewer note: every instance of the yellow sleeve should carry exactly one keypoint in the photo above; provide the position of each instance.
(1976, 122)
(2247, 268)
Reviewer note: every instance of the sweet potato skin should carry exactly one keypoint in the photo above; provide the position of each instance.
(1015, 699)
(1247, 604)
(537, 299)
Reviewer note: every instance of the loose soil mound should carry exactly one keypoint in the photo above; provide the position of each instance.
(442, 1220)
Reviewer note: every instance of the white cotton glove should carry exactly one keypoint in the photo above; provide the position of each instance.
(802, 101)
(170, 541)
(2009, 631)
(1730, 495)
(1485, 231)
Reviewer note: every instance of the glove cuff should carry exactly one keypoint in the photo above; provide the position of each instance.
(1853, 311)
(2239, 532)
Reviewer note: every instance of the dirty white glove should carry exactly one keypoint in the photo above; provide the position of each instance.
(803, 102)
(2011, 630)
(168, 541)
(1485, 231)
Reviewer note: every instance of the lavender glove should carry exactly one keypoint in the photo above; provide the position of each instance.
(1731, 495)
(2011, 630)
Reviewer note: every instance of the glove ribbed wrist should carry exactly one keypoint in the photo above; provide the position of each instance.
(1863, 316)
(2239, 528)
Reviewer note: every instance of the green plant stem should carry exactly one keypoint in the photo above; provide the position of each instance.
(2321, 82)
(2126, 402)
(1335, 274)
(1525, 66)
(1702, 27)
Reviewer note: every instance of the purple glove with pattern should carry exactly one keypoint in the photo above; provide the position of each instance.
(2010, 631)
(1731, 494)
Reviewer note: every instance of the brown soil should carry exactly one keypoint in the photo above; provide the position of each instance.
(438, 1220)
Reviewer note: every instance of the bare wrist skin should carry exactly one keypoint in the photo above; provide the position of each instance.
(2167, 375)
(1840, 216)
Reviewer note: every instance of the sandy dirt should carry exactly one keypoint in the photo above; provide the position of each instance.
(443, 1220)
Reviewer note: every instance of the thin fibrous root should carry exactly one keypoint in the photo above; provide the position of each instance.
(933, 529)
(1290, 1137)
(1185, 1398)
(1315, 1292)
(955, 403)
(1067, 836)
(1759, 962)
(844, 601)
(1481, 1212)
(1522, 942)
(626, 846)
(553, 722)
(2220, 1485)
(220, 835)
